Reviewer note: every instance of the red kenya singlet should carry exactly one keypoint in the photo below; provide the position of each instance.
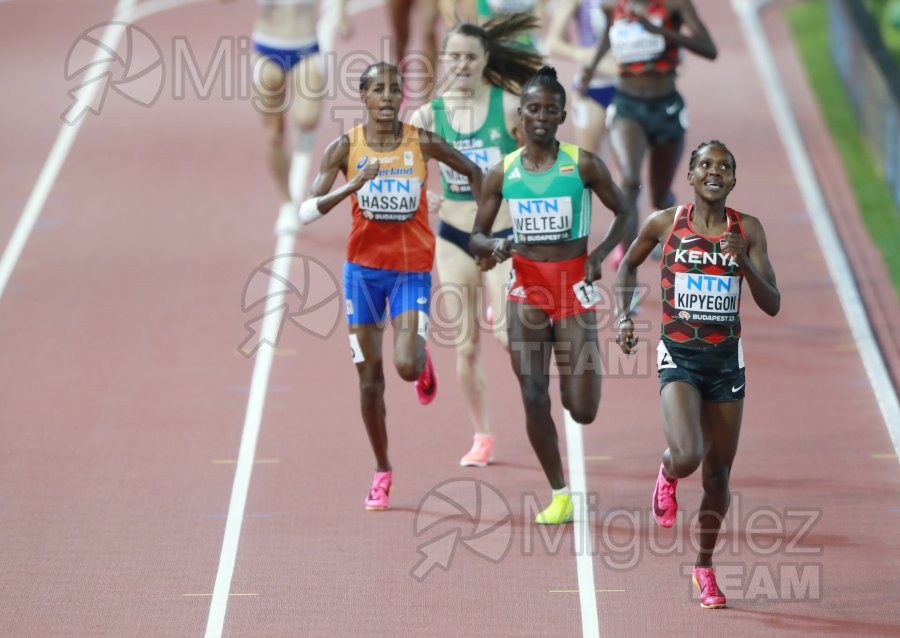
(701, 286)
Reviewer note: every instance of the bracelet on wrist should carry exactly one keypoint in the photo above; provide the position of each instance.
(622, 319)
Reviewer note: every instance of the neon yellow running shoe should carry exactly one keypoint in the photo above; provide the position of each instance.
(559, 511)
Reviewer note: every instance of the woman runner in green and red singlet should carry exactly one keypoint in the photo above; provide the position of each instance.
(708, 251)
(548, 185)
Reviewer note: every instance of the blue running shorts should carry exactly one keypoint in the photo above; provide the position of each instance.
(368, 292)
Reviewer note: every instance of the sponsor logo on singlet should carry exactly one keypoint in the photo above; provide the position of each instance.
(541, 220)
(390, 199)
(705, 298)
(631, 42)
(475, 151)
(702, 258)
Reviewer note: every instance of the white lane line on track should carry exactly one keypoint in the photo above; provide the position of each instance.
(125, 11)
(259, 381)
(60, 151)
(829, 241)
(262, 367)
(584, 556)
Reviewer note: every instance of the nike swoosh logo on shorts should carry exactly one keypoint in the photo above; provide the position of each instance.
(737, 389)
(672, 109)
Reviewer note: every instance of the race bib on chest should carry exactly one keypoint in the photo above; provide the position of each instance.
(485, 158)
(541, 221)
(701, 298)
(389, 199)
(630, 42)
(511, 6)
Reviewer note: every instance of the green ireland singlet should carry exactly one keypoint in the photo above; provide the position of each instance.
(485, 146)
(549, 207)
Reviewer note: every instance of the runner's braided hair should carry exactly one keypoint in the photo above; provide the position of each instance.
(695, 154)
(546, 77)
(509, 65)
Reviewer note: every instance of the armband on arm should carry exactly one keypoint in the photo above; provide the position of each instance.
(309, 211)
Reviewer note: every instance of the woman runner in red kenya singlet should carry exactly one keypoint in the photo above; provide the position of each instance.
(390, 252)
(648, 115)
(708, 251)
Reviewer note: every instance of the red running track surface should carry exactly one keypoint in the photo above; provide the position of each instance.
(124, 398)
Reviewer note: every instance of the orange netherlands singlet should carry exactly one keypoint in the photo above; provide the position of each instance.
(390, 227)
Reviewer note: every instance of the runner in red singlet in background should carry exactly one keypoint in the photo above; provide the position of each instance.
(647, 112)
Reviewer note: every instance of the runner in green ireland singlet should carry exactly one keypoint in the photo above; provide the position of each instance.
(477, 112)
(485, 146)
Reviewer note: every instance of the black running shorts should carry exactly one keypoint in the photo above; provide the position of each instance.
(663, 119)
(716, 371)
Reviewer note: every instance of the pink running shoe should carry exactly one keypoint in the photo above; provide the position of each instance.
(710, 596)
(665, 507)
(378, 500)
(482, 452)
(426, 384)
(616, 256)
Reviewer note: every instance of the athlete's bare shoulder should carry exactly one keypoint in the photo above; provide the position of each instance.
(747, 217)
(337, 152)
(511, 102)
(666, 216)
(753, 228)
(423, 117)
